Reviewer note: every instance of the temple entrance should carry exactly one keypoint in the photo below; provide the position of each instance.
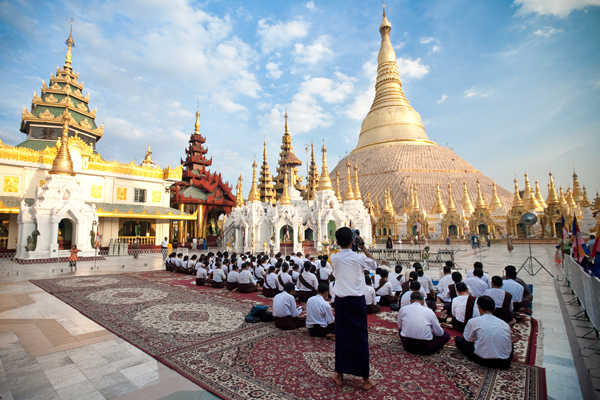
(521, 230)
(414, 230)
(483, 229)
(4, 223)
(452, 231)
(308, 235)
(142, 230)
(65, 234)
(286, 234)
(558, 229)
(331, 228)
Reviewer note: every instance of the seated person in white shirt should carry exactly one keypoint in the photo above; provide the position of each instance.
(319, 319)
(442, 286)
(464, 307)
(285, 311)
(307, 283)
(486, 278)
(294, 274)
(516, 289)
(420, 330)
(170, 263)
(201, 275)
(425, 280)
(385, 290)
(232, 278)
(217, 276)
(246, 283)
(476, 284)
(259, 271)
(414, 286)
(396, 279)
(323, 272)
(270, 286)
(370, 299)
(503, 301)
(487, 339)
(192, 264)
(179, 262)
(284, 276)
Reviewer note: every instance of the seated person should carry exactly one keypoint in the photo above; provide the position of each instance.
(514, 288)
(217, 277)
(319, 318)
(307, 283)
(270, 287)
(425, 281)
(295, 272)
(259, 272)
(192, 264)
(456, 277)
(476, 284)
(372, 306)
(464, 307)
(442, 286)
(527, 296)
(284, 277)
(201, 275)
(502, 299)
(232, 278)
(396, 279)
(179, 263)
(485, 278)
(385, 290)
(285, 311)
(487, 339)
(323, 272)
(414, 286)
(170, 263)
(246, 282)
(420, 331)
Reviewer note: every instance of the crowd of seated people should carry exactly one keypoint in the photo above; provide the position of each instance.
(478, 306)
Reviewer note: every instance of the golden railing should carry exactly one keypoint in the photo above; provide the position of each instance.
(140, 239)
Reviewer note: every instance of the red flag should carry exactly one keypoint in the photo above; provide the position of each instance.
(418, 225)
(580, 250)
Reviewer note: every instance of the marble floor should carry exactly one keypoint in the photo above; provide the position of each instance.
(49, 350)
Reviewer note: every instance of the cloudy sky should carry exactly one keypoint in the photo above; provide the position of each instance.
(511, 86)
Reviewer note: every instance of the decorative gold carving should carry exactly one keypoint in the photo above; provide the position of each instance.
(85, 124)
(11, 184)
(42, 182)
(96, 192)
(145, 215)
(47, 115)
(55, 86)
(121, 193)
(51, 99)
(36, 97)
(82, 107)
(156, 196)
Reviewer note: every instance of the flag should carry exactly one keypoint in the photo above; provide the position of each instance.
(418, 225)
(596, 255)
(287, 232)
(580, 249)
(565, 233)
(97, 240)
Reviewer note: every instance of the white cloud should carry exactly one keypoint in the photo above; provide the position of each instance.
(436, 49)
(280, 34)
(311, 6)
(274, 71)
(559, 8)
(475, 92)
(313, 53)
(546, 32)
(442, 99)
(408, 68)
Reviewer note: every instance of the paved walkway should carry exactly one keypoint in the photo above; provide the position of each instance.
(48, 350)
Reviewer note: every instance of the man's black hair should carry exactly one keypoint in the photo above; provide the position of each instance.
(288, 287)
(416, 296)
(461, 287)
(343, 237)
(323, 287)
(456, 276)
(497, 281)
(415, 285)
(486, 303)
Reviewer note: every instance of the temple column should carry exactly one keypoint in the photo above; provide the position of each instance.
(180, 225)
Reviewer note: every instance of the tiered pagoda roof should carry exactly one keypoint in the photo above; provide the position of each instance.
(198, 184)
(312, 182)
(265, 187)
(288, 163)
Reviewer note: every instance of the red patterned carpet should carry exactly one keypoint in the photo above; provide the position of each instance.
(201, 333)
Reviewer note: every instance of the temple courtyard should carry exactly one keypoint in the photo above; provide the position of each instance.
(49, 350)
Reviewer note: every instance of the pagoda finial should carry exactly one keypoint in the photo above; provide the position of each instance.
(385, 26)
(586, 201)
(377, 211)
(312, 182)
(148, 157)
(570, 201)
(451, 206)
(197, 125)
(480, 202)
(577, 193)
(438, 207)
(349, 192)
(552, 196)
(253, 195)
(496, 204)
(538, 195)
(467, 206)
(285, 197)
(266, 189)
(417, 207)
(357, 195)
(597, 202)
(563, 200)
(70, 44)
(287, 130)
(239, 196)
(63, 164)
(325, 181)
(517, 197)
(337, 187)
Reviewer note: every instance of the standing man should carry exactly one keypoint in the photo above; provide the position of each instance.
(351, 345)
(164, 247)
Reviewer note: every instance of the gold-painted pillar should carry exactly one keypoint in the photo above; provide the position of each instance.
(180, 225)
(201, 221)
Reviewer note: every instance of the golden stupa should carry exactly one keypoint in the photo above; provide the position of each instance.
(394, 150)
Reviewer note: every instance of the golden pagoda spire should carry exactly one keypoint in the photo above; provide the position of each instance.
(597, 202)
(377, 211)
(466, 200)
(570, 201)
(577, 194)
(417, 208)
(538, 195)
(586, 201)
(70, 44)
(349, 192)
(369, 204)
(148, 157)
(390, 205)
(438, 207)
(517, 202)
(287, 130)
(337, 187)
(266, 188)
(324, 180)
(357, 195)
(496, 204)
(63, 164)
(312, 182)
(411, 200)
(404, 210)
(285, 197)
(197, 124)
(552, 196)
(253, 195)
(562, 199)
(480, 202)
(529, 201)
(451, 206)
(239, 196)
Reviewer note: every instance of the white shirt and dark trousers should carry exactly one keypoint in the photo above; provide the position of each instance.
(307, 286)
(319, 318)
(487, 341)
(420, 330)
(270, 287)
(285, 312)
(351, 333)
(246, 282)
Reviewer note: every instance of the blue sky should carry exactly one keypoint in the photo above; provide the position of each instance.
(511, 86)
